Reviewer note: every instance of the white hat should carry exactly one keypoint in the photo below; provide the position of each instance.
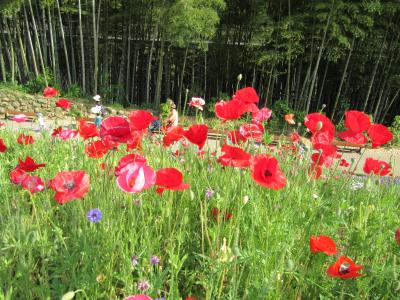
(96, 98)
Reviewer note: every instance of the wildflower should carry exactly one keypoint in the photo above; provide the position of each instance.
(252, 131)
(170, 179)
(116, 128)
(379, 135)
(154, 260)
(317, 122)
(33, 184)
(134, 141)
(262, 115)
(70, 185)
(50, 92)
(197, 102)
(323, 244)
(134, 260)
(234, 157)
(353, 137)
(209, 193)
(136, 177)
(266, 172)
(344, 163)
(143, 285)
(3, 146)
(94, 215)
(17, 176)
(236, 137)
(397, 236)
(138, 297)
(174, 134)
(379, 167)
(230, 110)
(126, 160)
(197, 134)
(344, 268)
(63, 103)
(87, 130)
(249, 98)
(289, 118)
(20, 118)
(29, 165)
(245, 199)
(357, 121)
(25, 139)
(137, 202)
(140, 119)
(96, 149)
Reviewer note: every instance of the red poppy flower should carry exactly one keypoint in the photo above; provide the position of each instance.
(344, 268)
(315, 170)
(174, 134)
(266, 172)
(247, 95)
(87, 130)
(379, 135)
(25, 139)
(190, 298)
(63, 103)
(29, 165)
(96, 149)
(344, 163)
(322, 137)
(230, 110)
(109, 143)
(317, 122)
(134, 141)
(117, 128)
(295, 138)
(261, 115)
(397, 236)
(17, 175)
(323, 244)
(49, 92)
(126, 160)
(327, 153)
(3, 146)
(33, 184)
(56, 131)
(215, 213)
(252, 131)
(70, 185)
(197, 134)
(353, 137)
(236, 137)
(234, 157)
(140, 119)
(170, 179)
(375, 166)
(2, 124)
(289, 118)
(357, 121)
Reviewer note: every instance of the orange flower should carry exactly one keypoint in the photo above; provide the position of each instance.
(290, 119)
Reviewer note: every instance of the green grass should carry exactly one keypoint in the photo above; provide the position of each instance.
(48, 249)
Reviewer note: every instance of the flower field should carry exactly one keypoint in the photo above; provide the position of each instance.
(117, 212)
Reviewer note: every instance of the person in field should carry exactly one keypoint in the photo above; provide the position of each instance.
(172, 119)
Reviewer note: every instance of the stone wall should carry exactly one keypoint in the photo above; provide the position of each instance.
(17, 101)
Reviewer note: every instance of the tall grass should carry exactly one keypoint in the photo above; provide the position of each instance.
(48, 249)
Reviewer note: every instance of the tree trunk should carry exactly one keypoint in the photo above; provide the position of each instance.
(82, 48)
(342, 80)
(180, 88)
(389, 105)
(64, 43)
(12, 53)
(28, 33)
(322, 84)
(38, 42)
(321, 49)
(159, 75)
(2, 64)
(95, 46)
(148, 75)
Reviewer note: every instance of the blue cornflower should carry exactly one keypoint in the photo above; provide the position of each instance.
(94, 215)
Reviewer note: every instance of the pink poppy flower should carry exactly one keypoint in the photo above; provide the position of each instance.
(138, 297)
(21, 118)
(67, 134)
(136, 177)
(197, 102)
(262, 115)
(33, 184)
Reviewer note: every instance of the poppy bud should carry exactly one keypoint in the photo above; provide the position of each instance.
(397, 236)
(239, 77)
(319, 125)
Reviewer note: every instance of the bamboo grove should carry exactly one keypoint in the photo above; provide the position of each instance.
(304, 55)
